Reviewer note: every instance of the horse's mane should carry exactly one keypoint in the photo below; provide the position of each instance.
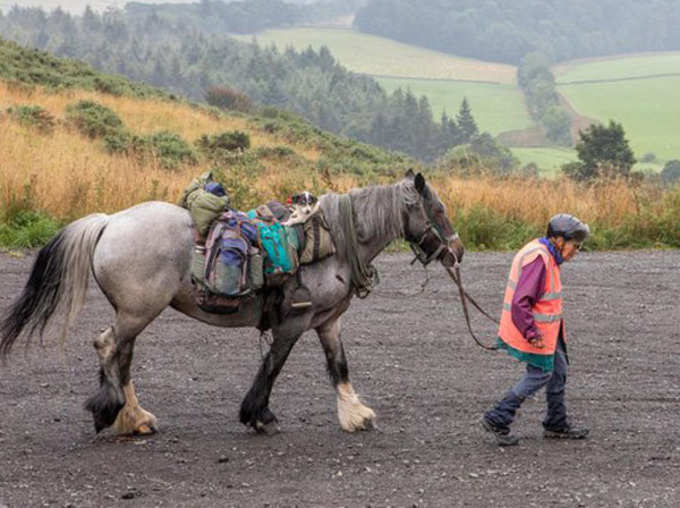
(377, 209)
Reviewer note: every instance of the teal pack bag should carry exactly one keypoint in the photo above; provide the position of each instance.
(280, 245)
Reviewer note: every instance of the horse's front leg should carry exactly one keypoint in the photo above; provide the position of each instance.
(254, 408)
(353, 415)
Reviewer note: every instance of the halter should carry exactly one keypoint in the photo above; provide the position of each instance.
(431, 228)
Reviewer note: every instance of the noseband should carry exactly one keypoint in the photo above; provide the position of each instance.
(432, 230)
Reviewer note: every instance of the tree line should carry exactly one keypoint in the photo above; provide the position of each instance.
(245, 16)
(179, 56)
(507, 30)
(538, 84)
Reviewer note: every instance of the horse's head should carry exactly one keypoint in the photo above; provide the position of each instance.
(426, 226)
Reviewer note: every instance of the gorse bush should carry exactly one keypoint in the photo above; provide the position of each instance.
(226, 141)
(33, 116)
(227, 98)
(93, 120)
(170, 149)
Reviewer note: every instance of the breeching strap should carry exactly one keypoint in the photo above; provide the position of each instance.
(454, 273)
(364, 276)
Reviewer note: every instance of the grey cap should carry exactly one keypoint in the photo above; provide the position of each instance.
(568, 226)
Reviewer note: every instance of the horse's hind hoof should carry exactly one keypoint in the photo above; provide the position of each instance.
(269, 429)
(369, 424)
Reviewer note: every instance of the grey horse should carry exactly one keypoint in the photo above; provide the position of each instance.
(140, 278)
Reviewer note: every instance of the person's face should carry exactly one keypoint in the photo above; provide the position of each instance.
(568, 248)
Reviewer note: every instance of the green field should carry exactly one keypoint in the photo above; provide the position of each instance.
(379, 56)
(648, 109)
(618, 67)
(548, 160)
(496, 108)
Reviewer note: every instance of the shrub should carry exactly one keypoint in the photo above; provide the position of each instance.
(227, 98)
(92, 119)
(277, 152)
(108, 85)
(34, 116)
(648, 157)
(671, 172)
(27, 229)
(229, 141)
(170, 149)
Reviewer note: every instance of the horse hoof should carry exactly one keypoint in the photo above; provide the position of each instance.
(269, 429)
(369, 424)
(145, 430)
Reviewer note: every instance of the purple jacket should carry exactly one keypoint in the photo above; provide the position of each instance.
(529, 289)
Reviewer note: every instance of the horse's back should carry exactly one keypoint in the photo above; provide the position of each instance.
(144, 254)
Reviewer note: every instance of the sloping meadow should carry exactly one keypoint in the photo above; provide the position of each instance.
(54, 168)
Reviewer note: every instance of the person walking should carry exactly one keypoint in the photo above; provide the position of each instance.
(532, 330)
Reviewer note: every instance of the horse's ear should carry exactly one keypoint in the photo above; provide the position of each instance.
(420, 183)
(410, 174)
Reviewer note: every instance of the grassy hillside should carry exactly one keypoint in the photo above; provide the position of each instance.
(369, 54)
(641, 91)
(621, 67)
(32, 67)
(649, 110)
(55, 168)
(496, 108)
(548, 160)
(496, 101)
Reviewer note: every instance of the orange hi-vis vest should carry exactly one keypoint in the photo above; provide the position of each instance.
(547, 310)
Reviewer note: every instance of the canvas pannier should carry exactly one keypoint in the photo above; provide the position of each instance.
(318, 240)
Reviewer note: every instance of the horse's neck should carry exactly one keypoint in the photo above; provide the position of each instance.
(383, 226)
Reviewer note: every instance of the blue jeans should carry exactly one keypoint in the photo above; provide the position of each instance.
(503, 413)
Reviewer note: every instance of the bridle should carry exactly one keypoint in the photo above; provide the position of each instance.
(432, 230)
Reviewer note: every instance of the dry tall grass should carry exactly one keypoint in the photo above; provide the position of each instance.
(68, 175)
(534, 201)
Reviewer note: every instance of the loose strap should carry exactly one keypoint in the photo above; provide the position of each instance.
(364, 276)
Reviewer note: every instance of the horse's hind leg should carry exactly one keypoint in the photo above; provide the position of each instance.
(353, 415)
(116, 403)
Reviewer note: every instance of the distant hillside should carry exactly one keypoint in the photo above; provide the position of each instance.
(641, 91)
(105, 151)
(506, 30)
(179, 54)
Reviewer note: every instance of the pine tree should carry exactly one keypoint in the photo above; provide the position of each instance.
(466, 122)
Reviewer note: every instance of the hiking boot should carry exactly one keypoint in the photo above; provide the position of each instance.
(502, 434)
(566, 433)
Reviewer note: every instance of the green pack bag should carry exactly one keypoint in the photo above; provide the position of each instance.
(203, 206)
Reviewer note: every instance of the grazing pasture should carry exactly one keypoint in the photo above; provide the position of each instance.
(496, 108)
(549, 160)
(378, 56)
(618, 67)
(648, 109)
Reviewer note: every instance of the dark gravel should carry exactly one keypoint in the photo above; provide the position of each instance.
(410, 359)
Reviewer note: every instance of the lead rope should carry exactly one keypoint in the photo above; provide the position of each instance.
(401, 295)
(455, 275)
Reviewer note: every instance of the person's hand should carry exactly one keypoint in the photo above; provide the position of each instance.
(537, 341)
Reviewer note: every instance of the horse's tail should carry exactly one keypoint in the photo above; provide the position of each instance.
(57, 284)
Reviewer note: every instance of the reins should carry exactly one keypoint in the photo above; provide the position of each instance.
(464, 296)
